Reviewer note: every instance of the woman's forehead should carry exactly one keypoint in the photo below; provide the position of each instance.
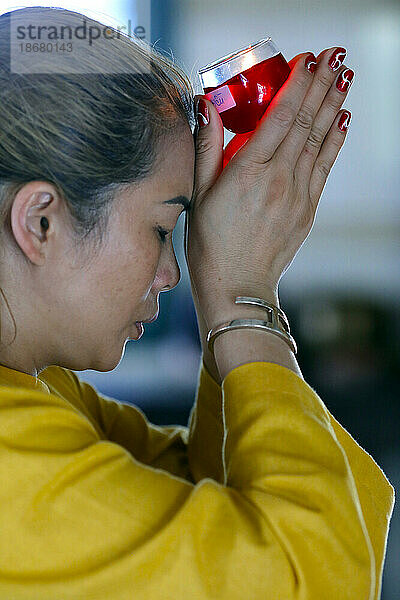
(172, 174)
(177, 158)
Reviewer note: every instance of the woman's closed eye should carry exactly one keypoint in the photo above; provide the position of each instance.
(162, 233)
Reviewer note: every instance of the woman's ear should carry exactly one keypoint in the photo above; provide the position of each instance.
(34, 201)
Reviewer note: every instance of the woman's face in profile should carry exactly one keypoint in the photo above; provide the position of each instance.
(79, 313)
(135, 264)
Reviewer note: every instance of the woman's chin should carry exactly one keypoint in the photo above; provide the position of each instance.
(110, 359)
(109, 364)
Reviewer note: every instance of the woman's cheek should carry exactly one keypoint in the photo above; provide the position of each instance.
(152, 268)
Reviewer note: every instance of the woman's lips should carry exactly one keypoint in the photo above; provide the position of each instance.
(139, 325)
(140, 329)
(152, 318)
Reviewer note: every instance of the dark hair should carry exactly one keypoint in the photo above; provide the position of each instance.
(88, 133)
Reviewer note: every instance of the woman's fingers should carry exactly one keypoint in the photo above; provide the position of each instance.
(294, 60)
(279, 116)
(317, 112)
(327, 156)
(209, 140)
(323, 122)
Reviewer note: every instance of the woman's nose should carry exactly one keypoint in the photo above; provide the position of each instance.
(168, 276)
(175, 277)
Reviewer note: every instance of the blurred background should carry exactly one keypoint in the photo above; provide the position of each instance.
(341, 293)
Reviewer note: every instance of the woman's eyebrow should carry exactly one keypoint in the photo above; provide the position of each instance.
(179, 200)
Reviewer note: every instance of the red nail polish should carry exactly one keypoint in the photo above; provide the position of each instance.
(345, 80)
(337, 58)
(344, 120)
(202, 113)
(311, 63)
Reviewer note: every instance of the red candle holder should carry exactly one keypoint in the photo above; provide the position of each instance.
(241, 85)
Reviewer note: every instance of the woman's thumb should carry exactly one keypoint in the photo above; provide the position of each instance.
(209, 138)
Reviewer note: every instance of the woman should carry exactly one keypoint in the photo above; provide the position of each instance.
(264, 494)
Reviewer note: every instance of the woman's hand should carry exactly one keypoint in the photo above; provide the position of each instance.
(248, 221)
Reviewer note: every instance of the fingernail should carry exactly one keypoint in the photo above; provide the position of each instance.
(345, 80)
(344, 120)
(202, 113)
(337, 58)
(311, 63)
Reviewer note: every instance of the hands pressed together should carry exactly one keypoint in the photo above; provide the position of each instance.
(248, 220)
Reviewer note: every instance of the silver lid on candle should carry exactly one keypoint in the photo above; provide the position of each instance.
(216, 73)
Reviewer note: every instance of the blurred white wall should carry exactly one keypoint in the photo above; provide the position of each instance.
(354, 244)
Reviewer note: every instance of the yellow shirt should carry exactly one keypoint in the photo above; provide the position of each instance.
(263, 496)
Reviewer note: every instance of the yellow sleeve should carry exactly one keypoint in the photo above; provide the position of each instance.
(167, 448)
(163, 447)
(376, 494)
(81, 517)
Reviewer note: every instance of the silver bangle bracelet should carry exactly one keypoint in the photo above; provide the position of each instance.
(276, 323)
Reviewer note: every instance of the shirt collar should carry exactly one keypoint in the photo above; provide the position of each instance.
(12, 378)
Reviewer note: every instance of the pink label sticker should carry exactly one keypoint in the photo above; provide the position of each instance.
(221, 98)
